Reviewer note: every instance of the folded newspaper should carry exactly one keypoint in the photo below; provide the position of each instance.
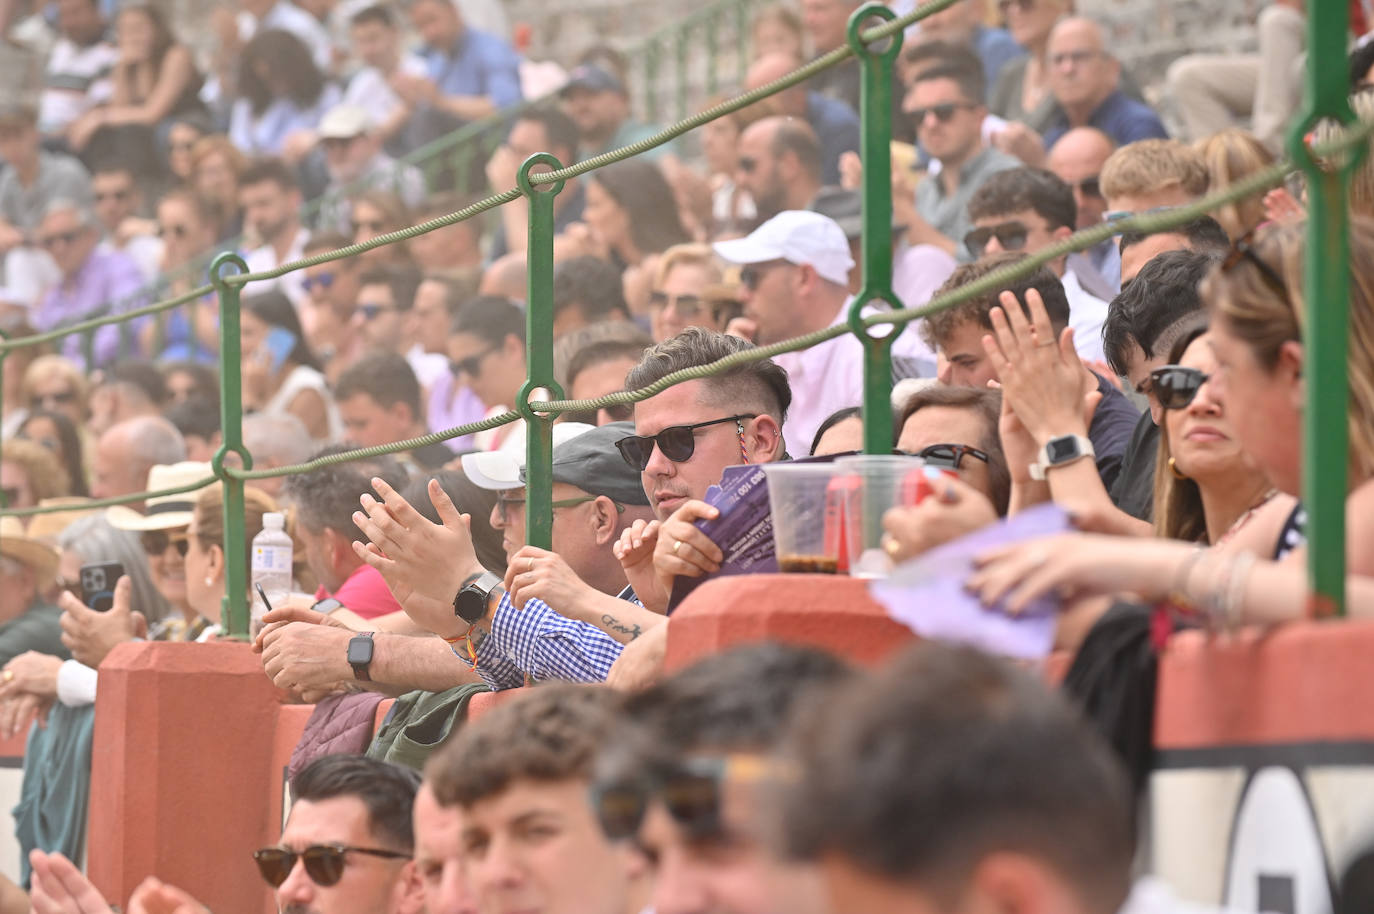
(743, 530)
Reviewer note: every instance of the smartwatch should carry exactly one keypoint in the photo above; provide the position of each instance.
(1060, 451)
(327, 605)
(470, 604)
(360, 655)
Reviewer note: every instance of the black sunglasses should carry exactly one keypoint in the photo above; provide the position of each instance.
(949, 456)
(155, 542)
(1243, 249)
(691, 791)
(470, 366)
(324, 863)
(943, 112)
(1010, 235)
(677, 443)
(750, 275)
(1176, 386)
(1089, 187)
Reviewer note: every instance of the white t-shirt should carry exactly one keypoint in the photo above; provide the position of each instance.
(370, 90)
(75, 80)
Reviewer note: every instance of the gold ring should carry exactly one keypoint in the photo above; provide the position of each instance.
(891, 546)
(677, 544)
(8, 676)
(530, 559)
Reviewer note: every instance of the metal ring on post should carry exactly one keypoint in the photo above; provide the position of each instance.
(522, 177)
(229, 442)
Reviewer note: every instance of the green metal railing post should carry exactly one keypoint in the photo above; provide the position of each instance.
(1327, 291)
(539, 353)
(875, 103)
(234, 611)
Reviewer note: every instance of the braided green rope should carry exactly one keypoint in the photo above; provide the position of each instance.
(110, 502)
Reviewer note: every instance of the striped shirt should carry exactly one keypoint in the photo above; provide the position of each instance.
(539, 643)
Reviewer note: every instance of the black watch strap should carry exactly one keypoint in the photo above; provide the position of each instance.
(360, 648)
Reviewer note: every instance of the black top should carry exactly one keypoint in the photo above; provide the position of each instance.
(1294, 532)
(1110, 431)
(1134, 491)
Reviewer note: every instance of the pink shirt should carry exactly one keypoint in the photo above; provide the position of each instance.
(365, 593)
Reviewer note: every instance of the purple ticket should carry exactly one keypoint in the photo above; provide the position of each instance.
(927, 594)
(743, 530)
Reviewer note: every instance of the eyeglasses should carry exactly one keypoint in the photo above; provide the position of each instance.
(155, 542)
(375, 227)
(176, 231)
(1074, 57)
(470, 366)
(1010, 235)
(504, 505)
(752, 273)
(747, 164)
(47, 401)
(944, 112)
(1176, 386)
(371, 310)
(323, 281)
(1116, 215)
(1243, 249)
(677, 443)
(324, 863)
(687, 306)
(119, 196)
(48, 242)
(950, 456)
(691, 791)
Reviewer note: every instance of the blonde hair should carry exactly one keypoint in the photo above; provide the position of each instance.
(1255, 312)
(55, 366)
(218, 144)
(1149, 166)
(692, 254)
(208, 526)
(47, 477)
(1362, 179)
(1230, 155)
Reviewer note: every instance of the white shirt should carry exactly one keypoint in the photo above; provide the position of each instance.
(1087, 313)
(75, 80)
(265, 258)
(76, 684)
(824, 380)
(428, 366)
(370, 89)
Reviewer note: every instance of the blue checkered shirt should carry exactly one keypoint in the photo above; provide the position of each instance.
(545, 645)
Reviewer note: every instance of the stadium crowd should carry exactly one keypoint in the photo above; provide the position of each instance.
(1150, 386)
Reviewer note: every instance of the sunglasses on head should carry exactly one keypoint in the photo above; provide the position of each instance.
(1243, 248)
(687, 306)
(324, 863)
(155, 542)
(370, 310)
(323, 281)
(949, 456)
(691, 791)
(1175, 386)
(944, 112)
(1010, 235)
(677, 443)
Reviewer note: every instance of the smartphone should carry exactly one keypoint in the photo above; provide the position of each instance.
(98, 583)
(279, 344)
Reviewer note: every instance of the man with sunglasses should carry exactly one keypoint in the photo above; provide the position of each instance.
(779, 165)
(520, 777)
(1029, 209)
(688, 777)
(946, 105)
(331, 291)
(93, 281)
(1077, 160)
(348, 841)
(384, 320)
(118, 202)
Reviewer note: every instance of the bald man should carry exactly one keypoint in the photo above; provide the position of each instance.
(779, 165)
(834, 122)
(124, 455)
(1077, 159)
(1085, 82)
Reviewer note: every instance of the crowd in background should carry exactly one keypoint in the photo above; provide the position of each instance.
(1151, 386)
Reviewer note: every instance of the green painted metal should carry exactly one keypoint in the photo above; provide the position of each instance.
(875, 103)
(1327, 281)
(234, 609)
(539, 353)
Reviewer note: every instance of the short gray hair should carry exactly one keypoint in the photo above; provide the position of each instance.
(154, 441)
(84, 214)
(277, 437)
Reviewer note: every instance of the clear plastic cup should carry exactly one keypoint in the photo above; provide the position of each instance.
(797, 500)
(876, 482)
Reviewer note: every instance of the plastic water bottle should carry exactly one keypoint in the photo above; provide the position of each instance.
(271, 566)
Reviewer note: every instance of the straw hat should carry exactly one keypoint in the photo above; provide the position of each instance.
(163, 512)
(47, 527)
(38, 556)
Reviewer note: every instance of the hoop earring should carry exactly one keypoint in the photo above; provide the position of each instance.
(1173, 468)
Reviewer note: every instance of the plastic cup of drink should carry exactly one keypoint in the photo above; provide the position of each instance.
(797, 500)
(884, 481)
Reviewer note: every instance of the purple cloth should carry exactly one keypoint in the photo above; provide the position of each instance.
(108, 282)
(446, 411)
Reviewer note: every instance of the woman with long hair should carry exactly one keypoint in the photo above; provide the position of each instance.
(216, 164)
(1230, 155)
(280, 373)
(281, 92)
(154, 81)
(1259, 320)
(56, 432)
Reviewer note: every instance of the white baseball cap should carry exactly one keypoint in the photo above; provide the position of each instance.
(500, 469)
(797, 236)
(344, 122)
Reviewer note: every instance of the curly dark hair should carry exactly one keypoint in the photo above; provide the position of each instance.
(285, 57)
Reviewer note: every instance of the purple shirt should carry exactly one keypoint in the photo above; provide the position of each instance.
(446, 411)
(107, 281)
